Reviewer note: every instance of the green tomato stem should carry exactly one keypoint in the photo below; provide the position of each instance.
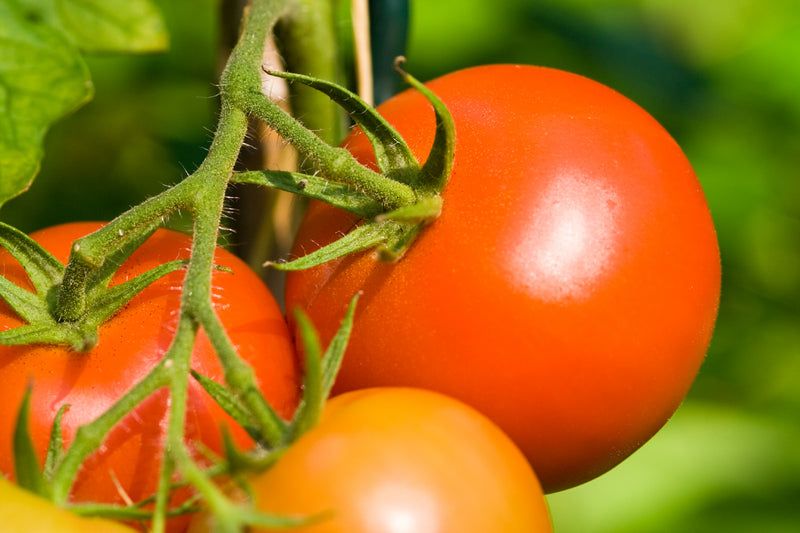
(203, 195)
(89, 437)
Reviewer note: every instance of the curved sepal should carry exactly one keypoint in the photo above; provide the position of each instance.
(46, 332)
(55, 449)
(320, 369)
(29, 306)
(118, 252)
(229, 403)
(104, 302)
(392, 154)
(331, 192)
(365, 236)
(439, 164)
(26, 464)
(425, 210)
(43, 269)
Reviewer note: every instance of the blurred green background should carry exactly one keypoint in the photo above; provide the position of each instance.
(722, 76)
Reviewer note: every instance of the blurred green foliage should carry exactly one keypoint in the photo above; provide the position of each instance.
(148, 125)
(722, 76)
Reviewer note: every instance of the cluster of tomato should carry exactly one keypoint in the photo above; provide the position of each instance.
(544, 327)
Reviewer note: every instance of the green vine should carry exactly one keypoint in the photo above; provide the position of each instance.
(396, 202)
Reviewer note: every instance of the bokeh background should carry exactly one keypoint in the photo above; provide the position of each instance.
(723, 76)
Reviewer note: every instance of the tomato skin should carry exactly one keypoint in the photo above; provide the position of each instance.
(397, 459)
(24, 512)
(569, 288)
(131, 343)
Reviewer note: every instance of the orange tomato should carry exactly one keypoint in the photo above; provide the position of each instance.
(399, 460)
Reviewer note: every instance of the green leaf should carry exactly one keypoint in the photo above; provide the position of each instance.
(102, 26)
(26, 464)
(114, 25)
(42, 78)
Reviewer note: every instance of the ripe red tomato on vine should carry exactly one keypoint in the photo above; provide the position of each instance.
(131, 343)
(569, 288)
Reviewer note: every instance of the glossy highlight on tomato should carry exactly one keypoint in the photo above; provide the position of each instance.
(401, 460)
(569, 288)
(130, 344)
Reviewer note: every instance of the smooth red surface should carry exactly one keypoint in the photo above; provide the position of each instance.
(570, 287)
(403, 460)
(131, 343)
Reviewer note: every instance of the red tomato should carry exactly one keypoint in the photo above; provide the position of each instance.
(131, 343)
(569, 288)
(402, 460)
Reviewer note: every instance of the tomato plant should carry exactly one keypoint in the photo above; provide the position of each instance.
(400, 459)
(131, 343)
(569, 288)
(23, 512)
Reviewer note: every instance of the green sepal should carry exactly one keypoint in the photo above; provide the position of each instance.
(393, 249)
(331, 192)
(105, 302)
(321, 369)
(55, 449)
(229, 403)
(426, 209)
(47, 332)
(29, 306)
(112, 512)
(257, 459)
(253, 517)
(47, 274)
(128, 513)
(439, 164)
(43, 270)
(26, 464)
(367, 235)
(312, 402)
(82, 335)
(116, 256)
(332, 360)
(392, 154)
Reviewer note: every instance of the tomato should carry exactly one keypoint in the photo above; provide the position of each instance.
(397, 460)
(24, 512)
(569, 288)
(131, 343)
